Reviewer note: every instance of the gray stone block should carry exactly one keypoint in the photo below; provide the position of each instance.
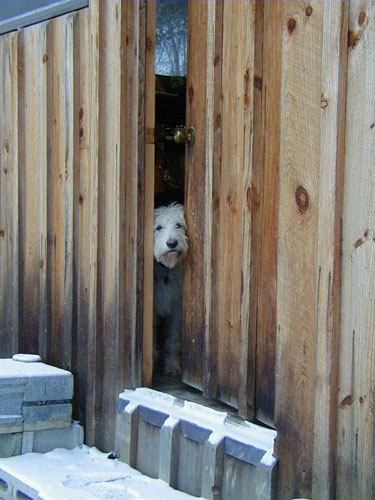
(48, 416)
(12, 396)
(169, 446)
(68, 438)
(148, 449)
(10, 444)
(42, 441)
(212, 470)
(42, 382)
(127, 432)
(10, 423)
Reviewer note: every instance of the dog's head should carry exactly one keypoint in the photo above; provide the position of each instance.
(170, 240)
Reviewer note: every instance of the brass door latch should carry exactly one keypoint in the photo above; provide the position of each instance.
(181, 135)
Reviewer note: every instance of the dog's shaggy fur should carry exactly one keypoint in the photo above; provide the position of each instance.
(170, 248)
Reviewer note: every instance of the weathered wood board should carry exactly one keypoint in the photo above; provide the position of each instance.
(355, 457)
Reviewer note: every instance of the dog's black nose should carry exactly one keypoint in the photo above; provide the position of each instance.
(172, 244)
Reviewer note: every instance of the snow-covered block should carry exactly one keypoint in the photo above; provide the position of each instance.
(33, 395)
(195, 449)
(41, 382)
(12, 488)
(79, 474)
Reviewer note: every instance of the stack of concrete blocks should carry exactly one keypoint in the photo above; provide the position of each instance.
(35, 407)
(195, 449)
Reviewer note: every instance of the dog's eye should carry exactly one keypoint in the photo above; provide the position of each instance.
(159, 228)
(178, 225)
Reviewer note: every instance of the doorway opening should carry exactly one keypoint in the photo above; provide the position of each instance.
(170, 116)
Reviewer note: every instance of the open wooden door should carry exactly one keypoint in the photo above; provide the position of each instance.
(222, 201)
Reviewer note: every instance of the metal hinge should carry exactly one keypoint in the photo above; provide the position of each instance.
(150, 136)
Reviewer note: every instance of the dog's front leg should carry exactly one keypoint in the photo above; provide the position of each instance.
(173, 346)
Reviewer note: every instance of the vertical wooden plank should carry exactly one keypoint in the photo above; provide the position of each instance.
(236, 191)
(64, 126)
(119, 227)
(93, 378)
(8, 197)
(252, 161)
(211, 366)
(85, 169)
(332, 123)
(297, 244)
(149, 193)
(139, 201)
(269, 200)
(43, 192)
(214, 13)
(194, 325)
(230, 198)
(131, 211)
(355, 469)
(109, 216)
(32, 195)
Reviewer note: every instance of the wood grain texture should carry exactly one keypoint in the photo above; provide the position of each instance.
(194, 326)
(90, 231)
(109, 210)
(85, 222)
(269, 204)
(120, 222)
(297, 245)
(132, 193)
(149, 195)
(211, 347)
(64, 133)
(328, 262)
(32, 89)
(9, 233)
(235, 192)
(357, 362)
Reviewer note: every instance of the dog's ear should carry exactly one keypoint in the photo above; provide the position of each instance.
(179, 208)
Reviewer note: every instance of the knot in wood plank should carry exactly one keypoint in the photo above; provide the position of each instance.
(302, 199)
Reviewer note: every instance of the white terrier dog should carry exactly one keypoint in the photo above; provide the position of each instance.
(170, 248)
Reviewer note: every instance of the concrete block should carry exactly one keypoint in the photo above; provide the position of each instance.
(42, 441)
(12, 396)
(42, 382)
(169, 451)
(48, 416)
(190, 465)
(196, 449)
(10, 423)
(148, 449)
(10, 444)
(127, 432)
(212, 469)
(266, 482)
(12, 488)
(239, 478)
(48, 440)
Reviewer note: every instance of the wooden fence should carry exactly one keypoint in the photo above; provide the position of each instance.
(76, 212)
(71, 200)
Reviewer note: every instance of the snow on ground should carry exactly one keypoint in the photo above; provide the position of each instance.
(86, 474)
